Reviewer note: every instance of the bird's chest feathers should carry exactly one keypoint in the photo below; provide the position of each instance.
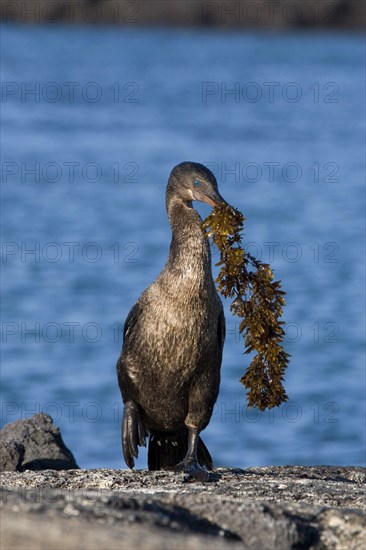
(189, 269)
(188, 287)
(182, 305)
(180, 309)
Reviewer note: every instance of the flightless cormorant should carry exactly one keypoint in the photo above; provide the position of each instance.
(173, 337)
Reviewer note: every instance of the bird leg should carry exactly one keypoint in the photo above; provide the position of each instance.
(190, 464)
(133, 432)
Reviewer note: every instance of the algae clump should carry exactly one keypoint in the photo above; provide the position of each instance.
(258, 301)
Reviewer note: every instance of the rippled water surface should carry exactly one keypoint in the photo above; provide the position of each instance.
(85, 163)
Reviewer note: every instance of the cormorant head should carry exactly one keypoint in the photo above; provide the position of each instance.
(191, 181)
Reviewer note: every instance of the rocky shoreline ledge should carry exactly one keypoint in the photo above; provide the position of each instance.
(47, 502)
(241, 14)
(287, 507)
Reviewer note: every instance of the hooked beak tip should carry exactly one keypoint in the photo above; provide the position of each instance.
(213, 200)
(210, 201)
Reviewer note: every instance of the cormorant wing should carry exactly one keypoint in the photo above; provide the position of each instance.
(127, 345)
(131, 320)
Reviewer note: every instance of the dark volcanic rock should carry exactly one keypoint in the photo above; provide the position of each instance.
(11, 455)
(285, 508)
(34, 444)
(247, 14)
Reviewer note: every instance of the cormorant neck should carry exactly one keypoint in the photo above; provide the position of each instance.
(184, 219)
(189, 246)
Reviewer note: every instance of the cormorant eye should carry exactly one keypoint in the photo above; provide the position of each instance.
(196, 183)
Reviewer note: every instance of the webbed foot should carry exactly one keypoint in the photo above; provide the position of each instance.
(192, 468)
(190, 465)
(133, 433)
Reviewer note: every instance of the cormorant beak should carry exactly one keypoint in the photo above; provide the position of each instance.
(212, 197)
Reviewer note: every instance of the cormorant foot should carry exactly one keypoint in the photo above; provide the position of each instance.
(196, 471)
(193, 469)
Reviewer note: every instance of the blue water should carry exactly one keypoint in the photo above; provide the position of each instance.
(85, 162)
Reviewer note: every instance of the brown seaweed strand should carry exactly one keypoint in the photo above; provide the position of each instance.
(258, 300)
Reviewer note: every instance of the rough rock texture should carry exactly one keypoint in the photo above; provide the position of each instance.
(217, 13)
(289, 507)
(34, 444)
